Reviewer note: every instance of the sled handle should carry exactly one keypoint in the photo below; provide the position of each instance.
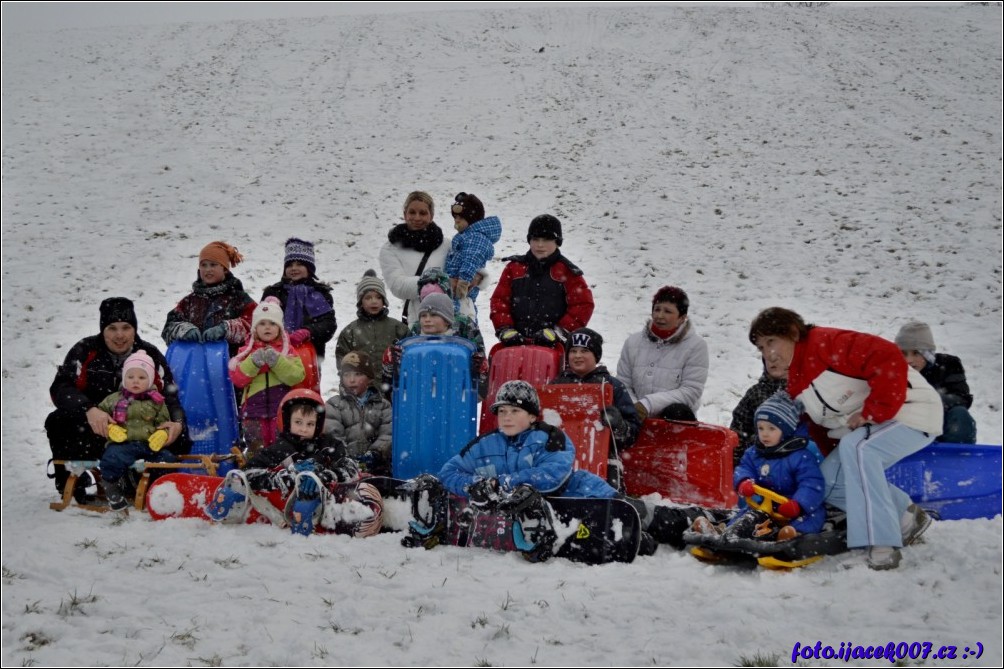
(768, 502)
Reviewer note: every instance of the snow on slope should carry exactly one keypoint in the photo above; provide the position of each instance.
(842, 161)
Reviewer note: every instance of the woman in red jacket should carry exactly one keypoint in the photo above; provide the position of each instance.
(868, 409)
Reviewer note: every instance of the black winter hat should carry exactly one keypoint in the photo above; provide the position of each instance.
(589, 339)
(468, 207)
(545, 226)
(117, 310)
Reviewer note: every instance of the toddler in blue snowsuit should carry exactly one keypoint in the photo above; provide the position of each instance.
(471, 249)
(779, 461)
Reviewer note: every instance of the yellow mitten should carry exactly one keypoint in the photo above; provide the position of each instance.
(157, 440)
(117, 433)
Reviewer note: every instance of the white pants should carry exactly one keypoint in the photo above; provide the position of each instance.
(856, 482)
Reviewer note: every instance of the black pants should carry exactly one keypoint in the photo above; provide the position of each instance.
(71, 438)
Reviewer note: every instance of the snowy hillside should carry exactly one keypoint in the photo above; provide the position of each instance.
(841, 161)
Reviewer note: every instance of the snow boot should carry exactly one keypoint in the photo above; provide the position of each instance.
(429, 510)
(305, 505)
(229, 503)
(116, 498)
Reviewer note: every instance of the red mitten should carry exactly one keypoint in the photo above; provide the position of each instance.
(298, 337)
(745, 488)
(790, 509)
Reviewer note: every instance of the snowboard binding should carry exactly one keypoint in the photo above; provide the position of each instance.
(429, 510)
(533, 528)
(229, 504)
(305, 506)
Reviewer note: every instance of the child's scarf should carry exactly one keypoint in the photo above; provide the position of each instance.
(126, 398)
(301, 299)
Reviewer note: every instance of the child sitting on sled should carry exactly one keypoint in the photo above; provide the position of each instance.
(304, 464)
(361, 415)
(779, 461)
(266, 368)
(136, 410)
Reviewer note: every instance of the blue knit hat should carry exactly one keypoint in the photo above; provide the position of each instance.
(781, 412)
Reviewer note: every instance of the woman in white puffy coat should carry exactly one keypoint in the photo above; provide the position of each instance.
(665, 366)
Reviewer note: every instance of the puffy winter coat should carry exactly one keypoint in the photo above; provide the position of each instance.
(364, 425)
(524, 458)
(208, 306)
(836, 373)
(947, 375)
(535, 294)
(795, 475)
(372, 335)
(315, 310)
(660, 372)
(399, 267)
(142, 416)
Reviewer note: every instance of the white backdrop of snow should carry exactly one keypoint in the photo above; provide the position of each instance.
(844, 162)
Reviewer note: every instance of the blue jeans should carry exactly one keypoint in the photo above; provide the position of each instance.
(960, 427)
(118, 458)
(856, 482)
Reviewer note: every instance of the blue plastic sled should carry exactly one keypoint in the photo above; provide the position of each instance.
(953, 481)
(435, 404)
(207, 396)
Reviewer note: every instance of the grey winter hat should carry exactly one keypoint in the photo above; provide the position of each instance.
(915, 336)
(370, 281)
(518, 394)
(440, 305)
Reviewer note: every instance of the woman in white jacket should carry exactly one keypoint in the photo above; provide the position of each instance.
(665, 366)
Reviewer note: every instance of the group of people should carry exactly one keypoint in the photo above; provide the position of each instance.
(116, 399)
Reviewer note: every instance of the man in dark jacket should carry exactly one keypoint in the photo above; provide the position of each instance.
(92, 370)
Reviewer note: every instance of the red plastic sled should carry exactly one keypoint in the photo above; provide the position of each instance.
(576, 408)
(534, 364)
(685, 462)
(186, 496)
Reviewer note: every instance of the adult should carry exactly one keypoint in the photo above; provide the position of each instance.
(665, 366)
(585, 349)
(946, 374)
(92, 370)
(858, 389)
(411, 248)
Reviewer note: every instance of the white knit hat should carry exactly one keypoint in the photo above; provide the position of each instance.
(269, 309)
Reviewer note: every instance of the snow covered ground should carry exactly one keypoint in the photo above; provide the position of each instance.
(841, 161)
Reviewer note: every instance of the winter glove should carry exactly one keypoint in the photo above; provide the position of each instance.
(790, 509)
(188, 333)
(425, 482)
(215, 333)
(299, 337)
(395, 354)
(346, 470)
(509, 337)
(479, 365)
(745, 488)
(307, 488)
(642, 411)
(462, 289)
(157, 440)
(484, 493)
(546, 337)
(116, 433)
(258, 358)
(612, 418)
(370, 460)
(271, 356)
(524, 497)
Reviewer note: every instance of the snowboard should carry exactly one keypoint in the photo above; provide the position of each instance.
(577, 408)
(206, 394)
(588, 530)
(685, 462)
(536, 365)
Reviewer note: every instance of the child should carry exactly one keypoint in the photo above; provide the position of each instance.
(471, 249)
(265, 369)
(136, 411)
(437, 316)
(778, 461)
(307, 306)
(217, 309)
(946, 374)
(303, 464)
(541, 296)
(373, 331)
(361, 415)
